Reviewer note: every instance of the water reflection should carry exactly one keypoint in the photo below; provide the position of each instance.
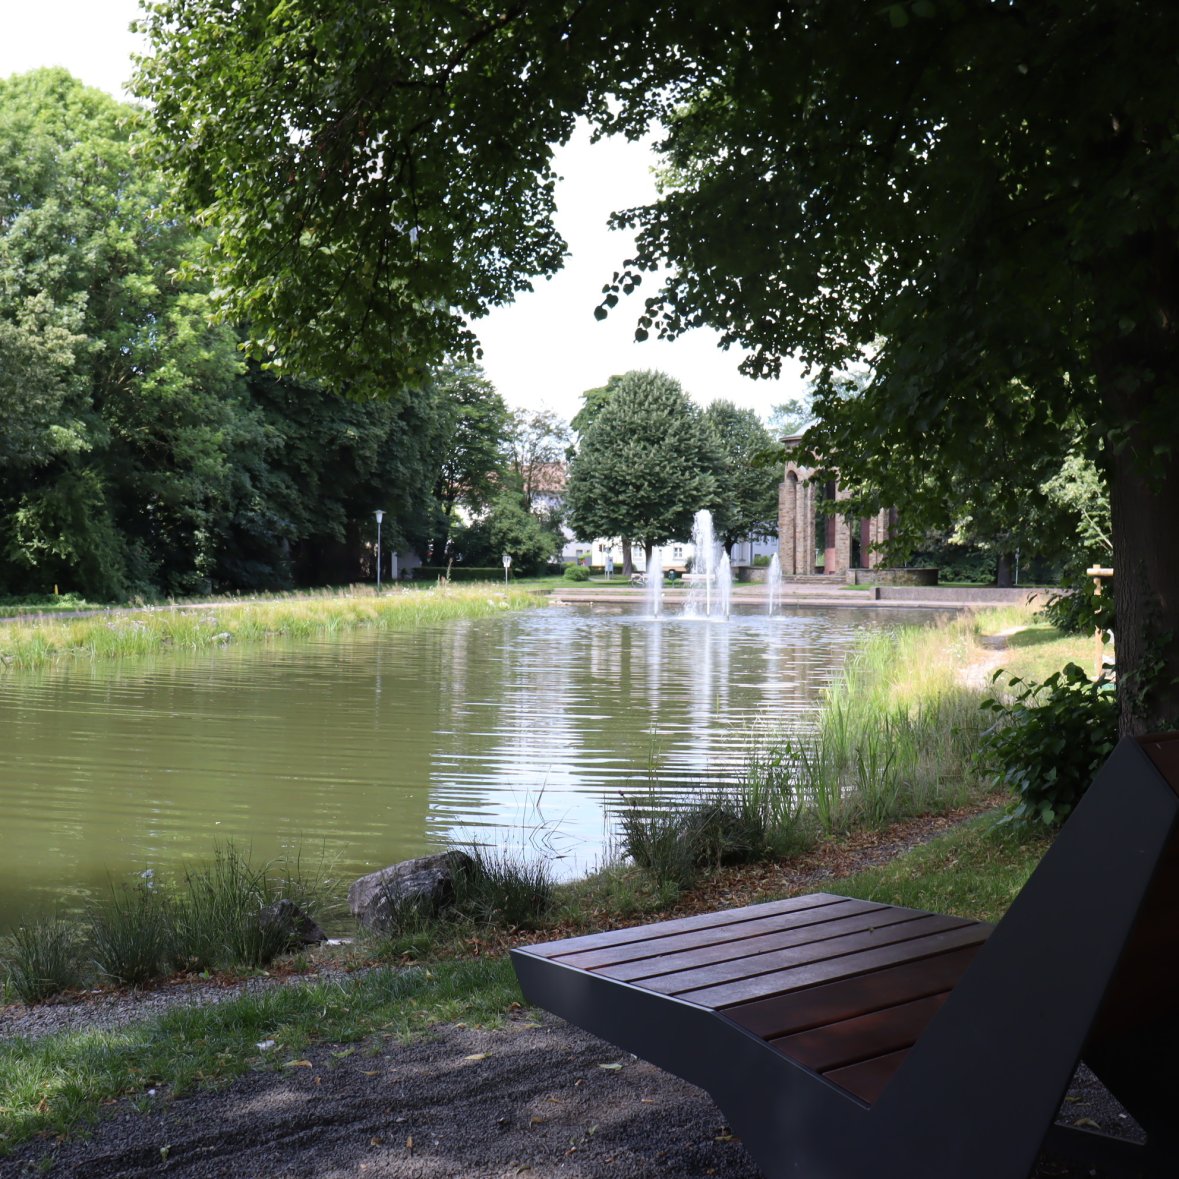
(376, 747)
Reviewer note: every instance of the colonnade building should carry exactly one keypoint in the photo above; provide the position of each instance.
(811, 541)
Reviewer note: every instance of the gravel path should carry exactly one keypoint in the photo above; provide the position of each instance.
(537, 1098)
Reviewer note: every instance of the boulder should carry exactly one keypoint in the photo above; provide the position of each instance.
(286, 915)
(426, 883)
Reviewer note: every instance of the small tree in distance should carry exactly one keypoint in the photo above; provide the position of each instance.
(747, 493)
(644, 467)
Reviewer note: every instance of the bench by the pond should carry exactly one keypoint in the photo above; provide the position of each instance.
(844, 1038)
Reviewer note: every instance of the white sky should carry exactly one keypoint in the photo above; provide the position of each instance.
(545, 349)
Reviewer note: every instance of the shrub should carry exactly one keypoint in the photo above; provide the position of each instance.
(721, 831)
(1049, 741)
(1077, 609)
(459, 572)
(576, 573)
(41, 959)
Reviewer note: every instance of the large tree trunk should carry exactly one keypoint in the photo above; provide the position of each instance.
(1146, 592)
(628, 562)
(1003, 577)
(1137, 368)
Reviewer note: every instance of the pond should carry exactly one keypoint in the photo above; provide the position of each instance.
(526, 729)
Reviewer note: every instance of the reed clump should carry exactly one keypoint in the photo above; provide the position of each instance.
(216, 917)
(34, 644)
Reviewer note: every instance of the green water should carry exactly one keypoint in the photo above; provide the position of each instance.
(524, 729)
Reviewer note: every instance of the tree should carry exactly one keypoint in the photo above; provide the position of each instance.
(592, 401)
(644, 468)
(986, 188)
(791, 417)
(747, 494)
(136, 453)
(473, 455)
(126, 429)
(536, 448)
(507, 527)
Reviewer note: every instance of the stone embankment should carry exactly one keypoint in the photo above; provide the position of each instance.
(822, 592)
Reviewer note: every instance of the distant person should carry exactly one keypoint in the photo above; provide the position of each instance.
(609, 566)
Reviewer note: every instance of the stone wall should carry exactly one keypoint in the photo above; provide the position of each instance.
(879, 576)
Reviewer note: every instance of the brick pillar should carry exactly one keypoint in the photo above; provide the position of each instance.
(806, 525)
(881, 523)
(843, 547)
(787, 522)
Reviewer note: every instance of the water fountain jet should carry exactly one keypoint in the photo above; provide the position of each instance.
(774, 583)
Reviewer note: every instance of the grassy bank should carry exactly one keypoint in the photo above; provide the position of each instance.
(53, 1084)
(34, 644)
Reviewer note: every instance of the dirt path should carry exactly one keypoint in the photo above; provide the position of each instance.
(537, 1099)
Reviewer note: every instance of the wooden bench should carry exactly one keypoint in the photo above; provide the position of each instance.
(845, 1038)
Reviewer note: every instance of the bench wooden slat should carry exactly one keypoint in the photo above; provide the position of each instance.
(783, 1015)
(813, 973)
(789, 960)
(867, 1079)
(717, 935)
(660, 929)
(750, 948)
(851, 1041)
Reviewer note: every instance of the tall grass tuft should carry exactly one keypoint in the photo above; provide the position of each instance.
(40, 959)
(216, 916)
(503, 889)
(131, 936)
(673, 845)
(655, 838)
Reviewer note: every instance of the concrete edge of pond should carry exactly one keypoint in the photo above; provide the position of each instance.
(871, 597)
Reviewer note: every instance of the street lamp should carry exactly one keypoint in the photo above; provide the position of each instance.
(380, 515)
(507, 565)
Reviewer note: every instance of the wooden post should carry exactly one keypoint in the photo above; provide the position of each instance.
(1097, 572)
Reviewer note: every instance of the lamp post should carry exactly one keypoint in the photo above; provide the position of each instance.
(380, 515)
(507, 565)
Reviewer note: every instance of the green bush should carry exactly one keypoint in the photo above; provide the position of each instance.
(1078, 610)
(654, 840)
(1049, 741)
(673, 845)
(459, 572)
(576, 573)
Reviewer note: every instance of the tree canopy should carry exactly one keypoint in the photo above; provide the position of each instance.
(138, 454)
(746, 502)
(645, 466)
(966, 194)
